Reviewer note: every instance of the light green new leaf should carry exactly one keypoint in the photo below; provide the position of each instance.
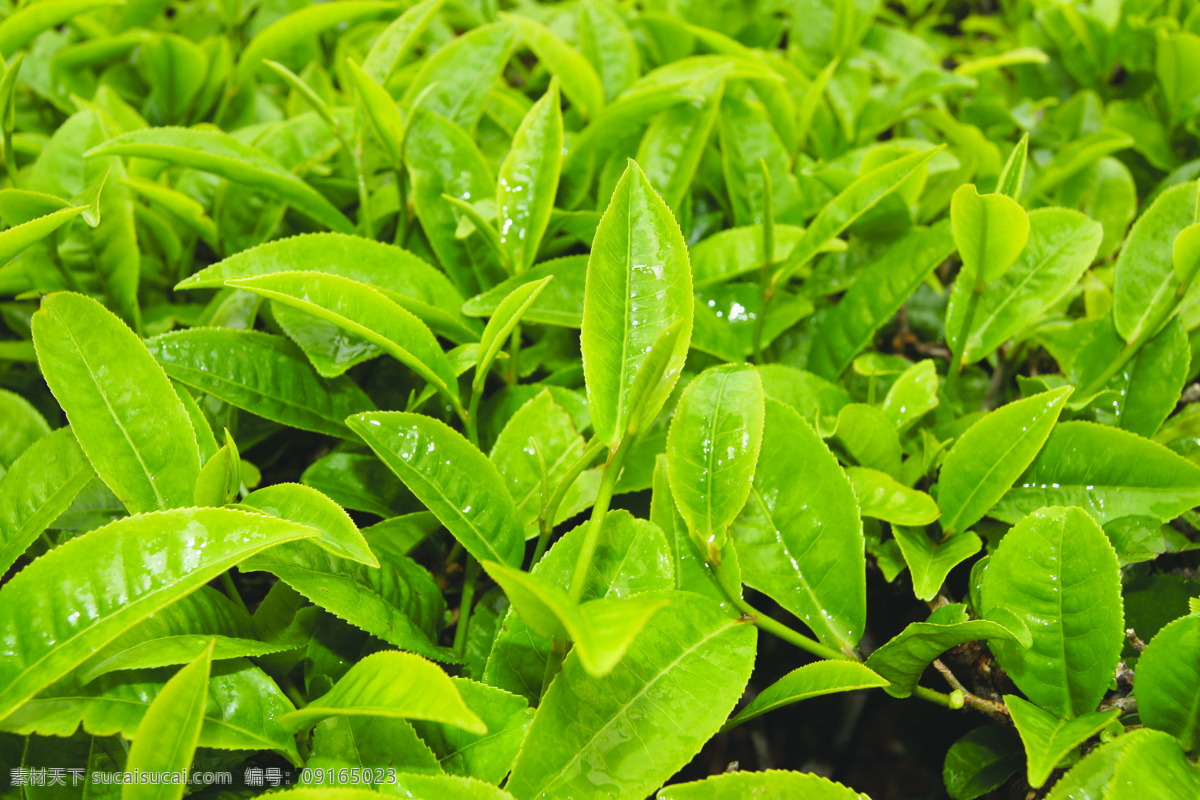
(366, 313)
(1061, 245)
(377, 743)
(39, 486)
(181, 206)
(222, 155)
(381, 111)
(528, 180)
(1146, 281)
(769, 783)
(903, 658)
(1185, 254)
(855, 200)
(712, 450)
(489, 757)
(930, 562)
(291, 29)
(914, 394)
(220, 478)
(1156, 380)
(672, 146)
(121, 405)
(689, 650)
(390, 684)
(1108, 472)
(989, 231)
(1168, 688)
(883, 497)
(638, 285)
(14, 240)
(78, 597)
(580, 82)
(1141, 763)
(397, 601)
(811, 680)
(21, 425)
(601, 630)
(166, 738)
(1048, 739)
(976, 473)
(24, 24)
(502, 324)
(307, 506)
(398, 40)
(799, 538)
(869, 438)
(457, 79)
(1057, 571)
(561, 303)
(1013, 174)
(451, 477)
(606, 42)
(260, 373)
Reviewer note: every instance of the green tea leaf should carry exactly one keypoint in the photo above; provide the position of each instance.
(24, 24)
(263, 374)
(451, 477)
(768, 783)
(220, 478)
(528, 180)
(975, 476)
(141, 443)
(799, 538)
(1048, 739)
(712, 450)
(166, 737)
(399, 39)
(580, 82)
(811, 680)
(1169, 681)
(489, 757)
(981, 762)
(930, 562)
(881, 496)
(61, 608)
(390, 684)
(502, 324)
(989, 231)
(1077, 629)
(638, 284)
(688, 647)
(16, 239)
(307, 506)
(457, 78)
(1156, 380)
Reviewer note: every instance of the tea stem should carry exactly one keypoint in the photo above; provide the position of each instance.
(550, 509)
(558, 652)
(592, 537)
(232, 590)
(464, 606)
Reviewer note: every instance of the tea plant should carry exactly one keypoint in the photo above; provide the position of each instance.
(458, 400)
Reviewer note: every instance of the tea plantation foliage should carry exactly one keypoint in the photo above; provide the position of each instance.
(462, 400)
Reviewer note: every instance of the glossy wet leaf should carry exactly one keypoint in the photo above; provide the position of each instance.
(713, 447)
(903, 658)
(638, 284)
(390, 684)
(263, 374)
(451, 477)
(121, 406)
(975, 475)
(930, 562)
(1139, 760)
(38, 487)
(688, 650)
(1108, 472)
(501, 326)
(1048, 739)
(799, 538)
(602, 630)
(220, 478)
(881, 496)
(981, 761)
(914, 394)
(528, 180)
(222, 155)
(1169, 681)
(1057, 571)
(768, 783)
(811, 680)
(307, 506)
(167, 736)
(178, 551)
(364, 312)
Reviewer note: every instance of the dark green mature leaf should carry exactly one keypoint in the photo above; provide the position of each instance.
(218, 153)
(141, 442)
(452, 478)
(260, 373)
(405, 278)
(712, 450)
(1168, 689)
(675, 687)
(981, 761)
(638, 285)
(1156, 380)
(39, 486)
(811, 680)
(903, 658)
(975, 476)
(1057, 571)
(61, 608)
(1140, 760)
(1048, 739)
(799, 539)
(769, 783)
(1108, 472)
(390, 684)
(167, 736)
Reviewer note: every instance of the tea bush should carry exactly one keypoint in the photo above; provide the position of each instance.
(461, 401)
